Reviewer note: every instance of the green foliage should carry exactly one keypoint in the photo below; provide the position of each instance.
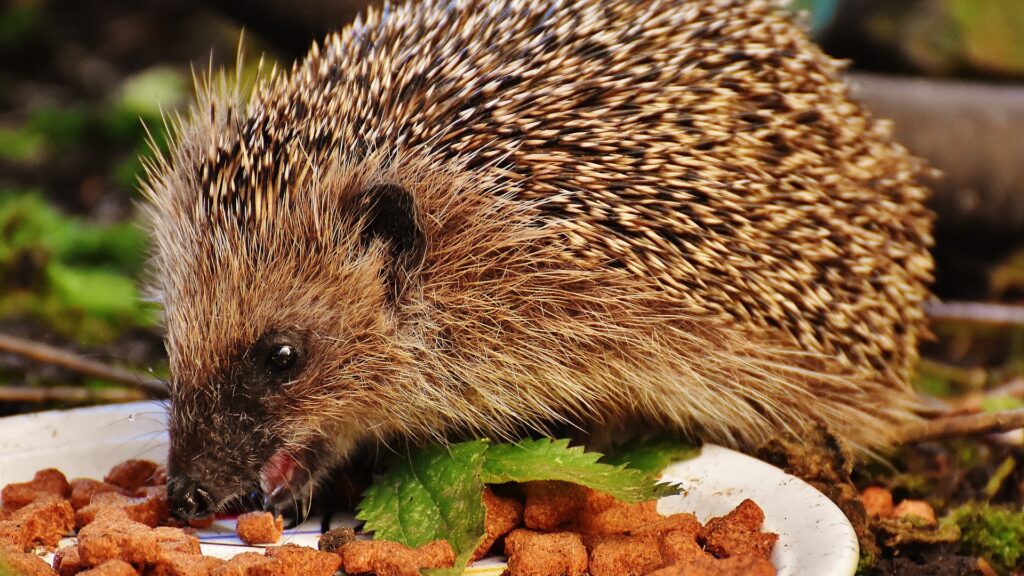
(140, 104)
(436, 493)
(433, 494)
(544, 459)
(932, 385)
(18, 21)
(63, 128)
(990, 33)
(992, 532)
(1000, 403)
(76, 276)
(651, 457)
(116, 126)
(19, 145)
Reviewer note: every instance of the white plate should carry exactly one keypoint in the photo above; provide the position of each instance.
(814, 535)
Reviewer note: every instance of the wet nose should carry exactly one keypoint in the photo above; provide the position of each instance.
(188, 499)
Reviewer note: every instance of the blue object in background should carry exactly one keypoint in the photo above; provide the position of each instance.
(822, 12)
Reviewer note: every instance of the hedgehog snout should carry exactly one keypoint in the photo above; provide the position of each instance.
(189, 499)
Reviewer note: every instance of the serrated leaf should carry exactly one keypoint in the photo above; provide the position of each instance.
(431, 494)
(436, 493)
(651, 457)
(545, 459)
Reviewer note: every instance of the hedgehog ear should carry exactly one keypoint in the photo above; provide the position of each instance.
(388, 213)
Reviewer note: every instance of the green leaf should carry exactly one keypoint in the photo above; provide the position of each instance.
(651, 457)
(437, 493)
(97, 292)
(546, 459)
(432, 494)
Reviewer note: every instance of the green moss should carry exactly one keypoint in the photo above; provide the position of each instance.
(993, 532)
(866, 563)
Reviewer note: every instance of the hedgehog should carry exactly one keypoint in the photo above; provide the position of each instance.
(492, 218)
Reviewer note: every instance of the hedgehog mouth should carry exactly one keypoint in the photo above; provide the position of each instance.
(286, 480)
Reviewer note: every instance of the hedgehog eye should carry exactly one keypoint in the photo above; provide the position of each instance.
(282, 357)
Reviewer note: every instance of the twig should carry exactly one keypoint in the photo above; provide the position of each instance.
(969, 378)
(973, 401)
(47, 354)
(70, 394)
(962, 425)
(976, 313)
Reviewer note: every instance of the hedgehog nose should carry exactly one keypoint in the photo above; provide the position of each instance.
(188, 499)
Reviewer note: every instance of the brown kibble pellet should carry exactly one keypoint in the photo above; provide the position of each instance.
(502, 515)
(41, 523)
(241, 564)
(131, 474)
(680, 546)
(759, 544)
(24, 564)
(67, 562)
(150, 508)
(111, 568)
(545, 554)
(12, 535)
(50, 520)
(46, 484)
(683, 522)
(436, 554)
(916, 509)
(619, 555)
(113, 536)
(183, 564)
(304, 561)
(335, 538)
(259, 527)
(877, 501)
(84, 489)
(709, 566)
(552, 504)
(738, 533)
(385, 558)
(176, 540)
(620, 518)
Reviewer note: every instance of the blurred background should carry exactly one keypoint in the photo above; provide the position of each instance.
(83, 83)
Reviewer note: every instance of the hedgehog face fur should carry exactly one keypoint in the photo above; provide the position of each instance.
(482, 217)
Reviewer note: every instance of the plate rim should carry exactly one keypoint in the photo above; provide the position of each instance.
(30, 427)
